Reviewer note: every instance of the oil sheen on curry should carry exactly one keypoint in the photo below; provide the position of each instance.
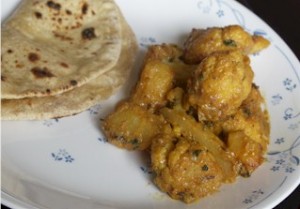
(197, 111)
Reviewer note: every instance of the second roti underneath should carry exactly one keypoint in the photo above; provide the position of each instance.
(80, 98)
(50, 47)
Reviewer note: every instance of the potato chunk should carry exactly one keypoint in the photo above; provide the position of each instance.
(155, 82)
(220, 84)
(132, 127)
(162, 70)
(184, 168)
(246, 150)
(201, 43)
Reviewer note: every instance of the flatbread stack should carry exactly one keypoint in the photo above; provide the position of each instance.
(61, 57)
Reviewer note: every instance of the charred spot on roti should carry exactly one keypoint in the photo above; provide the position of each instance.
(62, 37)
(68, 12)
(109, 42)
(65, 65)
(3, 78)
(84, 8)
(53, 5)
(88, 33)
(78, 24)
(41, 72)
(38, 15)
(73, 82)
(33, 57)
(19, 65)
(9, 51)
(29, 103)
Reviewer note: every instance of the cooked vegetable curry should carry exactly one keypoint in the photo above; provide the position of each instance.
(197, 111)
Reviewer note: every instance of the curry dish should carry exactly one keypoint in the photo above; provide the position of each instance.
(197, 111)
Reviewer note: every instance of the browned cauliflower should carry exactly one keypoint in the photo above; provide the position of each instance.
(248, 131)
(220, 84)
(203, 42)
(252, 117)
(184, 169)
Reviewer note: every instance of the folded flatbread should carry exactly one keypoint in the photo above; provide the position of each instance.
(78, 99)
(52, 46)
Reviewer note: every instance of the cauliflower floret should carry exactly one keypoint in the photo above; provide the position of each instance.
(184, 168)
(248, 132)
(202, 43)
(252, 119)
(220, 84)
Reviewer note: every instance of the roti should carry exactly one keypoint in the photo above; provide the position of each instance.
(52, 46)
(78, 99)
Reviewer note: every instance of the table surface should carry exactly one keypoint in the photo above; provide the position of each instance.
(284, 18)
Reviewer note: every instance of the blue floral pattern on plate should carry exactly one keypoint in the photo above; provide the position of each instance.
(146, 41)
(50, 122)
(62, 155)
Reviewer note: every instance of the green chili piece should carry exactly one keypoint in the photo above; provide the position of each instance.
(230, 42)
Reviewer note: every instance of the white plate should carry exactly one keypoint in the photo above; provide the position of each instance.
(66, 163)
